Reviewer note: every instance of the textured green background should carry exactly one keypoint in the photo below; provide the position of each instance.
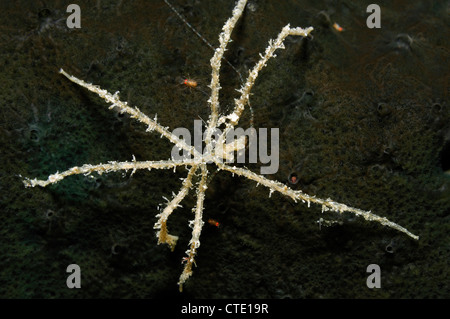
(363, 116)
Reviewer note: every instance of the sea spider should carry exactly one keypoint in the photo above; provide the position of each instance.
(217, 151)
